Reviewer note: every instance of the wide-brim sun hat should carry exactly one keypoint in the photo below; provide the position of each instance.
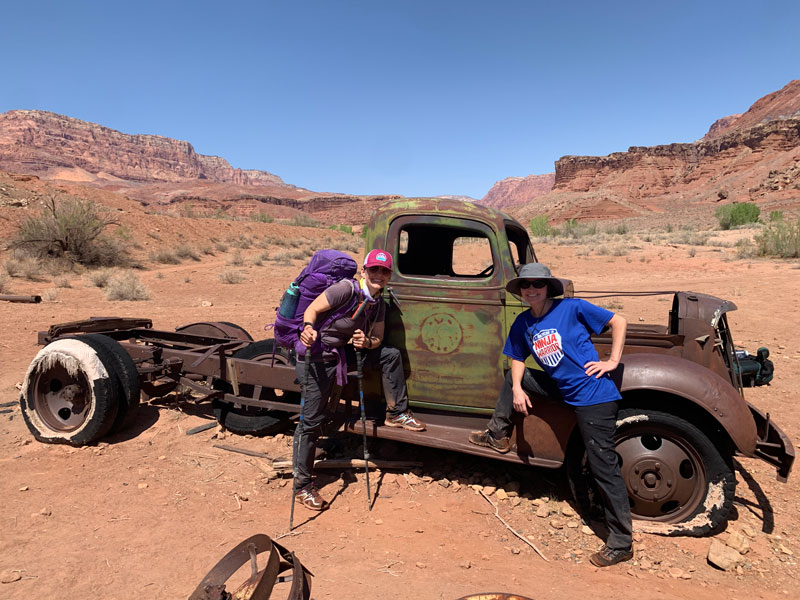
(555, 285)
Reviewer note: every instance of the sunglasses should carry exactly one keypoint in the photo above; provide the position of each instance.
(538, 284)
(377, 269)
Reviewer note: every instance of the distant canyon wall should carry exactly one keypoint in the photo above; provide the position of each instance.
(41, 142)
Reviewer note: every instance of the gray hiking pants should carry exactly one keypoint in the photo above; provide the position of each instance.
(321, 379)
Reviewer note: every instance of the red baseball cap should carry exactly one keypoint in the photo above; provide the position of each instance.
(378, 258)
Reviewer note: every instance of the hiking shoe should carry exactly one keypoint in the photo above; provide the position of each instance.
(609, 556)
(405, 420)
(310, 498)
(485, 438)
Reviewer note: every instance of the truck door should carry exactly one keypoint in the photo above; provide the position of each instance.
(449, 279)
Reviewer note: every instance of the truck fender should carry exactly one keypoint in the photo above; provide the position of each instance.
(701, 386)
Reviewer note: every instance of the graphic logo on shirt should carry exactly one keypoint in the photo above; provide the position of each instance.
(546, 345)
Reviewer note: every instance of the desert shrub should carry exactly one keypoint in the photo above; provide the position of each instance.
(159, 275)
(27, 268)
(99, 278)
(12, 267)
(692, 252)
(236, 259)
(72, 228)
(734, 215)
(282, 258)
(261, 217)
(221, 247)
(4, 287)
(303, 221)
(126, 286)
(50, 295)
(745, 248)
(618, 229)
(244, 242)
(540, 227)
(343, 228)
(62, 282)
(613, 305)
(619, 251)
(186, 251)
(206, 249)
(353, 244)
(256, 260)
(165, 256)
(775, 215)
(187, 210)
(779, 238)
(232, 276)
(573, 229)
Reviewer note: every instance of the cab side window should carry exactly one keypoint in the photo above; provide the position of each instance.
(430, 250)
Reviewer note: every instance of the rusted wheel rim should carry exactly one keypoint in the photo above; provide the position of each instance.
(61, 400)
(663, 472)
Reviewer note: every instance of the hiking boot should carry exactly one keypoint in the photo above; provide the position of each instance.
(609, 556)
(485, 438)
(310, 498)
(405, 420)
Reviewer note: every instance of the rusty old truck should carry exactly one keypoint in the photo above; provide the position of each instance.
(683, 415)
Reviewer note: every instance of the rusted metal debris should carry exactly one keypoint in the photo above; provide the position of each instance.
(260, 584)
(25, 299)
(495, 597)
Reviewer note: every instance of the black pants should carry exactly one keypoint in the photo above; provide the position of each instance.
(597, 424)
(321, 379)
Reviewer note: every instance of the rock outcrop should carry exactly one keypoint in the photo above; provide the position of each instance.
(517, 191)
(750, 157)
(52, 146)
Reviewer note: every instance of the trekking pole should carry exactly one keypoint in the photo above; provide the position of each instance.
(360, 365)
(298, 432)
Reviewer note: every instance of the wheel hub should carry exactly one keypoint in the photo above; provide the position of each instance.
(651, 480)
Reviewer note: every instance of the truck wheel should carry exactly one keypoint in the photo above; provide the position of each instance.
(220, 329)
(676, 478)
(68, 395)
(252, 420)
(125, 377)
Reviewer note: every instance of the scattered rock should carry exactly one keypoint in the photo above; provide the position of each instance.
(465, 565)
(489, 490)
(738, 542)
(378, 521)
(516, 501)
(512, 488)
(514, 550)
(722, 556)
(206, 303)
(573, 524)
(785, 550)
(142, 486)
(445, 483)
(501, 494)
(24, 488)
(45, 512)
(9, 576)
(543, 511)
(556, 524)
(748, 531)
(420, 565)
(568, 511)
(586, 530)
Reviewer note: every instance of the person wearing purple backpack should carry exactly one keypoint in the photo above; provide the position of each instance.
(365, 332)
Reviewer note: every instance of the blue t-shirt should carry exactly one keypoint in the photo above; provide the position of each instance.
(560, 343)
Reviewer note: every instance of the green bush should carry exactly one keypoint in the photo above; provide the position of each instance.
(540, 227)
(734, 215)
(73, 229)
(261, 217)
(779, 238)
(572, 229)
(303, 221)
(775, 215)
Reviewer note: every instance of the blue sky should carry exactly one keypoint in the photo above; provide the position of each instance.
(419, 98)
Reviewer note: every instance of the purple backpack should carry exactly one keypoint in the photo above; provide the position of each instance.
(324, 269)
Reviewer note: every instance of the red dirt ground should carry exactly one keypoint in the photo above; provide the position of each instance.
(148, 512)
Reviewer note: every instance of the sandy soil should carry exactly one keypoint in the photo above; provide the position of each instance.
(148, 512)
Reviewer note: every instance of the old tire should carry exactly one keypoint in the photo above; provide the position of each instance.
(68, 396)
(251, 420)
(678, 482)
(219, 329)
(124, 375)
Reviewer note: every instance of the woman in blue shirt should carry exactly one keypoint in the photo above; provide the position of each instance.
(556, 332)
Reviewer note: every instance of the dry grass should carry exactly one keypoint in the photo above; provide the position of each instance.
(236, 259)
(165, 256)
(232, 276)
(185, 251)
(4, 287)
(62, 282)
(99, 278)
(50, 295)
(126, 286)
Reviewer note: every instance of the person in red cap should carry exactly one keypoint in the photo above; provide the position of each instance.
(365, 333)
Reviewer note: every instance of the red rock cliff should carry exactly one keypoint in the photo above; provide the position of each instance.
(516, 191)
(44, 143)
